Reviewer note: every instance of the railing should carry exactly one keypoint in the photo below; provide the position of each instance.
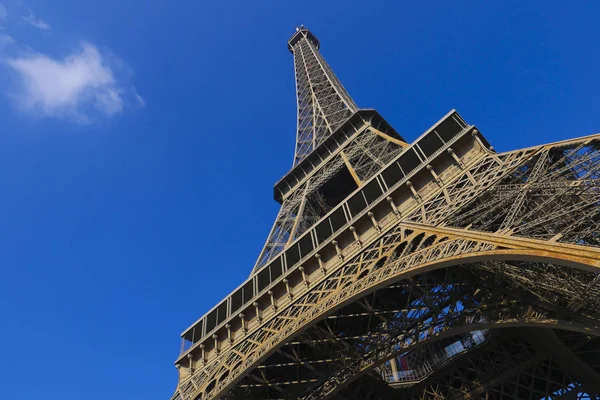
(425, 364)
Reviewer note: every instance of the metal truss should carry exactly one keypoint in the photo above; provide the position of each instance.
(363, 156)
(323, 106)
(553, 195)
(430, 311)
(477, 278)
(512, 366)
(323, 103)
(411, 245)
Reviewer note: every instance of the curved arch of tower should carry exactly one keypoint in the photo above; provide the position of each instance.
(437, 269)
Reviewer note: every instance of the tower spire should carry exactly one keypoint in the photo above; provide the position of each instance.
(323, 103)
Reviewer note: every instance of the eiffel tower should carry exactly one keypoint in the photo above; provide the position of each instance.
(437, 269)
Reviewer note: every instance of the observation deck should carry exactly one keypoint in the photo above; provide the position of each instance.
(300, 33)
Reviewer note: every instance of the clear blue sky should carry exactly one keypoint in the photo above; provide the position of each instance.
(139, 143)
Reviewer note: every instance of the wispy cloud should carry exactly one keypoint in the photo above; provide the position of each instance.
(5, 41)
(140, 100)
(79, 87)
(36, 22)
(3, 13)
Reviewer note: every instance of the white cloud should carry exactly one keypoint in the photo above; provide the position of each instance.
(84, 86)
(79, 87)
(36, 22)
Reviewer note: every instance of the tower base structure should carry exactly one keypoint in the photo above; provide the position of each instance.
(439, 269)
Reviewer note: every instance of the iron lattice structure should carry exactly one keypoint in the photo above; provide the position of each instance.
(437, 269)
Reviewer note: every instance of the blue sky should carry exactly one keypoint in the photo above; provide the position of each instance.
(139, 143)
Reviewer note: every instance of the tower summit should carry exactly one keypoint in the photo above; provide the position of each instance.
(302, 32)
(431, 270)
